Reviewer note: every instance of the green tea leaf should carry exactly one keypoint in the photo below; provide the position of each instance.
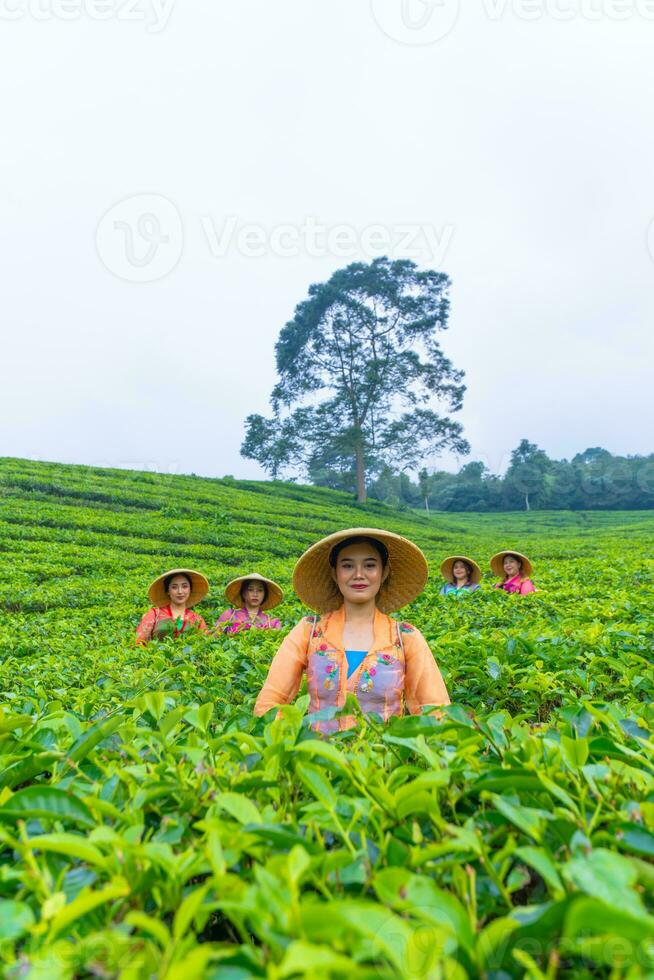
(530, 821)
(606, 876)
(574, 751)
(187, 911)
(591, 916)
(325, 750)
(539, 859)
(85, 903)
(71, 845)
(96, 734)
(238, 806)
(46, 802)
(149, 925)
(317, 783)
(16, 918)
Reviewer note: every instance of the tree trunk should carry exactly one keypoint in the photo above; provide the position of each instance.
(527, 507)
(427, 504)
(361, 475)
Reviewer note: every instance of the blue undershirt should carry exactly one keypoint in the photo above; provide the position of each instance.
(354, 659)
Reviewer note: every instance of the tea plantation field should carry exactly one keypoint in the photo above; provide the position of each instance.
(150, 827)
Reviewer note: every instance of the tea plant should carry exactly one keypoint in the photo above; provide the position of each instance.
(150, 826)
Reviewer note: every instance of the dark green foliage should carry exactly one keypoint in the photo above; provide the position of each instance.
(592, 480)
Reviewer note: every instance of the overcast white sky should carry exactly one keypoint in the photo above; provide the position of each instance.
(241, 151)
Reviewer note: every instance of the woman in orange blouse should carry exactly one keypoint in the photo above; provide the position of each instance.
(353, 579)
(173, 594)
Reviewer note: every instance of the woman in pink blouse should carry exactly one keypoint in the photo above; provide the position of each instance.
(173, 594)
(249, 597)
(515, 570)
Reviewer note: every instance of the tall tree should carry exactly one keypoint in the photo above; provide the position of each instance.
(471, 487)
(359, 370)
(527, 472)
(426, 484)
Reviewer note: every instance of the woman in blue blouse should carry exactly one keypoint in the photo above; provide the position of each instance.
(461, 574)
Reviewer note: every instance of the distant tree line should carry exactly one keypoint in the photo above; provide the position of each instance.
(592, 480)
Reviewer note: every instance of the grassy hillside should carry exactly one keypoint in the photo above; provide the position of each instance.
(149, 826)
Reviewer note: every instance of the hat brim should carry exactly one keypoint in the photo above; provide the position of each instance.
(497, 563)
(314, 583)
(233, 590)
(199, 587)
(448, 564)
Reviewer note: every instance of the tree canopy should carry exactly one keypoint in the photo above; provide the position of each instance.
(527, 472)
(360, 376)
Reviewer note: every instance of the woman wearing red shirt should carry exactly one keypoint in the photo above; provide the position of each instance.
(173, 594)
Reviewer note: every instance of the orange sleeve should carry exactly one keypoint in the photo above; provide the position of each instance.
(423, 681)
(146, 626)
(285, 673)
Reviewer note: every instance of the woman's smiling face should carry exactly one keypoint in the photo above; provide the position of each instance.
(359, 573)
(511, 566)
(179, 590)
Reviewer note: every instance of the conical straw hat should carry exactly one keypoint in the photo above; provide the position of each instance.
(313, 582)
(448, 563)
(233, 590)
(199, 587)
(496, 563)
